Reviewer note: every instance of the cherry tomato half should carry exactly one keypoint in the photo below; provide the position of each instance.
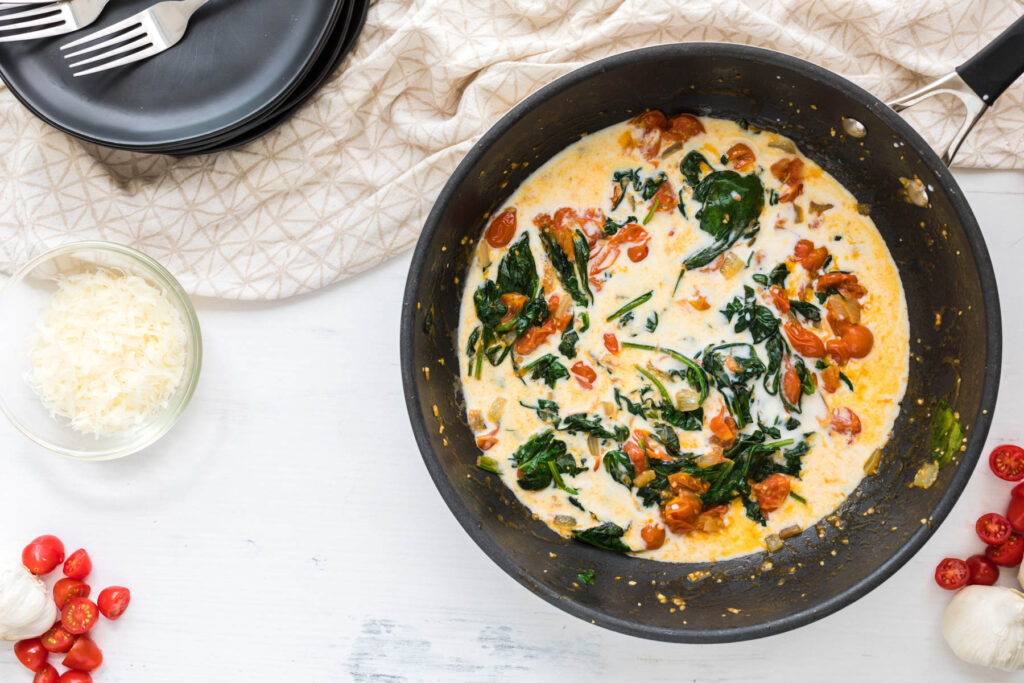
(57, 640)
(1015, 513)
(66, 589)
(84, 656)
(75, 677)
(1008, 553)
(952, 573)
(113, 601)
(984, 571)
(46, 675)
(78, 565)
(31, 653)
(42, 555)
(79, 616)
(993, 528)
(1007, 461)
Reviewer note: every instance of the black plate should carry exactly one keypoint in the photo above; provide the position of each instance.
(237, 60)
(339, 45)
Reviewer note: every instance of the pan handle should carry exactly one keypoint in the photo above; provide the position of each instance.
(977, 82)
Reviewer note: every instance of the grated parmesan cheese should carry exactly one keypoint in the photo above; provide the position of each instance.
(108, 352)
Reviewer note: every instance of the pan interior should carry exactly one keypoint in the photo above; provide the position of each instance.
(955, 349)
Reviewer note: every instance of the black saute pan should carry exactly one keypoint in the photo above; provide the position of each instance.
(932, 235)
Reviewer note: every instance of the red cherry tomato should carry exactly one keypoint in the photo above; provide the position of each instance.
(75, 677)
(1015, 513)
(66, 589)
(993, 528)
(46, 675)
(952, 573)
(79, 616)
(78, 565)
(42, 555)
(984, 571)
(57, 640)
(1007, 461)
(113, 601)
(1008, 553)
(31, 653)
(1017, 491)
(84, 656)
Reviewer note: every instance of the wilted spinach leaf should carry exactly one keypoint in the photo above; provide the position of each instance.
(607, 536)
(731, 206)
(541, 459)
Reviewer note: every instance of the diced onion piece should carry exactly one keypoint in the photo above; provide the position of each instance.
(108, 351)
(773, 543)
(783, 145)
(565, 520)
(483, 254)
(686, 400)
(476, 421)
(644, 478)
(844, 308)
(594, 445)
(790, 531)
(731, 265)
(496, 410)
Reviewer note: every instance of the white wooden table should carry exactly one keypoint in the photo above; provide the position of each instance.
(287, 529)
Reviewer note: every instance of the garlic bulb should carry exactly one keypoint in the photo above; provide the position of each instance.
(26, 609)
(985, 625)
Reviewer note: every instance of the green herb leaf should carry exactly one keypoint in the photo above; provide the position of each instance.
(947, 435)
(607, 536)
(586, 577)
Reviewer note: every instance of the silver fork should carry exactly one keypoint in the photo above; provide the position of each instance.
(138, 37)
(42, 21)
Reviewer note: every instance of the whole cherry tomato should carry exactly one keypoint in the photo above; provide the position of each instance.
(66, 589)
(1007, 461)
(984, 571)
(993, 528)
(31, 653)
(57, 640)
(952, 573)
(680, 514)
(75, 677)
(772, 492)
(42, 555)
(78, 565)
(113, 601)
(805, 342)
(79, 615)
(653, 535)
(84, 655)
(1015, 513)
(46, 675)
(1009, 553)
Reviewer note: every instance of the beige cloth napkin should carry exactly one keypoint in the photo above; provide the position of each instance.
(348, 182)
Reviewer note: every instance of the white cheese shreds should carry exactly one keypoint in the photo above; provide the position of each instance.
(108, 352)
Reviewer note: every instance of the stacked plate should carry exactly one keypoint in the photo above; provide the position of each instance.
(241, 70)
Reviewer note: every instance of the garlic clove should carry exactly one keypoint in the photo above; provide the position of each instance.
(26, 609)
(985, 625)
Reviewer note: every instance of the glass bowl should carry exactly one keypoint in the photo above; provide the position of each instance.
(23, 298)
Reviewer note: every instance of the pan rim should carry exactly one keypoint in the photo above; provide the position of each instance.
(981, 423)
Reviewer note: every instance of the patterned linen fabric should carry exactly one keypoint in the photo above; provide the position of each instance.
(348, 182)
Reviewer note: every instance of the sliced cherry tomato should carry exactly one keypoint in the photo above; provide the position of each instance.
(636, 456)
(85, 655)
(772, 492)
(611, 342)
(31, 653)
(845, 421)
(805, 342)
(740, 156)
(808, 256)
(42, 555)
(1009, 553)
(78, 565)
(1007, 461)
(113, 601)
(984, 571)
(1015, 513)
(779, 298)
(75, 677)
(952, 573)
(680, 514)
(993, 528)
(66, 589)
(792, 389)
(57, 640)
(79, 615)
(46, 675)
(502, 229)
(585, 375)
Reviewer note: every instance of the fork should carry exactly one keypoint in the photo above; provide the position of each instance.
(43, 21)
(138, 37)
